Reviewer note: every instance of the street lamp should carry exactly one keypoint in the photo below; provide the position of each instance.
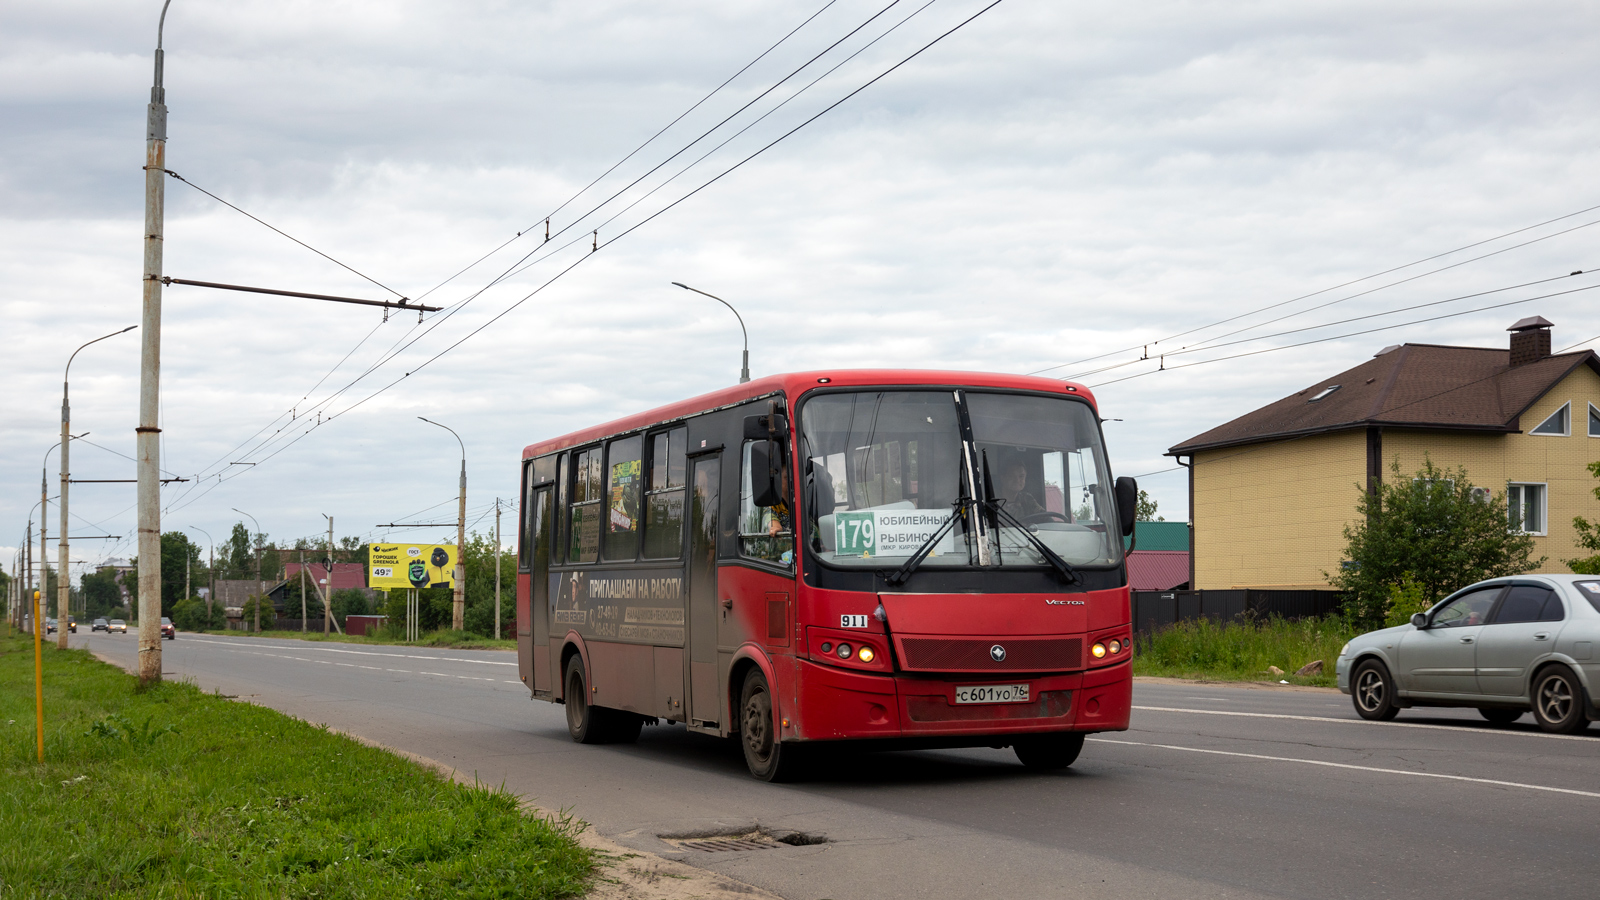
(212, 567)
(64, 585)
(744, 373)
(458, 609)
(257, 543)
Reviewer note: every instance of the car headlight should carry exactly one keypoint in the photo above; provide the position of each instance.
(1345, 650)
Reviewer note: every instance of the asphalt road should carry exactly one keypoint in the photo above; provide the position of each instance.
(1216, 791)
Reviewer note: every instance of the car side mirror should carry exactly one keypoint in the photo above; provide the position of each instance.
(1127, 503)
(764, 473)
(1419, 620)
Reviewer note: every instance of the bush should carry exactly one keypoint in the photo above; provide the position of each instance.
(268, 614)
(1406, 599)
(349, 602)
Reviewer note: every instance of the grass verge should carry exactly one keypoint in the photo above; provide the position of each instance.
(171, 792)
(1242, 650)
(456, 640)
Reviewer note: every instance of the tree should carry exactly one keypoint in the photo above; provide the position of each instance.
(237, 555)
(1588, 537)
(1145, 509)
(176, 550)
(100, 593)
(1432, 530)
(478, 617)
(348, 602)
(268, 614)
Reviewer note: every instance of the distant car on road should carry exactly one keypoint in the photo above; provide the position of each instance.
(168, 630)
(99, 624)
(49, 626)
(72, 625)
(116, 626)
(1504, 646)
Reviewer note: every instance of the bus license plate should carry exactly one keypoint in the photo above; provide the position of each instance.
(993, 693)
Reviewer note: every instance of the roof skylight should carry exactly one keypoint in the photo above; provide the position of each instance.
(1323, 393)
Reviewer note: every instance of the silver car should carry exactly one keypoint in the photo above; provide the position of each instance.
(1504, 646)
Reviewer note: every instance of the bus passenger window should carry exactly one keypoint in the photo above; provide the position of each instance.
(586, 508)
(663, 527)
(622, 499)
(765, 532)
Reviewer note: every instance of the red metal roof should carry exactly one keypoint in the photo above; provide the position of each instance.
(1157, 570)
(795, 383)
(345, 575)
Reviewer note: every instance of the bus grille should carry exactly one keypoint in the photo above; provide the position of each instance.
(968, 655)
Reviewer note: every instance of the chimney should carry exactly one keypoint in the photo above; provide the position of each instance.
(1530, 340)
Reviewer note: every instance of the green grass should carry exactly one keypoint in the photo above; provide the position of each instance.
(174, 793)
(460, 640)
(1242, 650)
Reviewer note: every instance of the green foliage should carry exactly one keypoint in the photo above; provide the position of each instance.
(478, 617)
(1431, 529)
(100, 593)
(1406, 599)
(1145, 509)
(268, 614)
(176, 549)
(348, 602)
(194, 615)
(171, 792)
(1242, 650)
(1588, 537)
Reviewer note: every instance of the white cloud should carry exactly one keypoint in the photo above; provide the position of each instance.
(1048, 184)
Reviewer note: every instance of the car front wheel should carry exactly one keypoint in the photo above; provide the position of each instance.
(1372, 691)
(1558, 701)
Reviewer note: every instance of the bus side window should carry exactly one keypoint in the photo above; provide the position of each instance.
(622, 499)
(535, 474)
(586, 509)
(525, 529)
(663, 527)
(765, 532)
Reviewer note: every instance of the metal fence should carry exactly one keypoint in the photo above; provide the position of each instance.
(1154, 610)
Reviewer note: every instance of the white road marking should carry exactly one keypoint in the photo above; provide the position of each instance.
(1455, 728)
(480, 662)
(1334, 765)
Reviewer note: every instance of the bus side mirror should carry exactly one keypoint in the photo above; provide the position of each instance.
(764, 473)
(1127, 503)
(773, 425)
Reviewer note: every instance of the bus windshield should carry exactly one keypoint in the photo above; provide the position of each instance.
(885, 471)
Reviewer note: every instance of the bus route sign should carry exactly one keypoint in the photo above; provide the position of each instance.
(889, 532)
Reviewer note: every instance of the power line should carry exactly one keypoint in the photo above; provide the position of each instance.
(1343, 336)
(924, 48)
(1325, 290)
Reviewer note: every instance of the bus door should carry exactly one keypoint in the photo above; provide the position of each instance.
(705, 699)
(540, 517)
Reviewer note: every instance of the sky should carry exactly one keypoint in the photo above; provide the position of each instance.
(1047, 184)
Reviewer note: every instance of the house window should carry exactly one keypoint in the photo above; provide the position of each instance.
(1559, 422)
(1594, 421)
(1525, 507)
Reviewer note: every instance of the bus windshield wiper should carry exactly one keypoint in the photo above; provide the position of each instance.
(926, 547)
(997, 507)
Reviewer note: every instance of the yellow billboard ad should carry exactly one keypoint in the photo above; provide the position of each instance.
(392, 566)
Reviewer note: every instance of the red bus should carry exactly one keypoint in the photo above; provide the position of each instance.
(911, 559)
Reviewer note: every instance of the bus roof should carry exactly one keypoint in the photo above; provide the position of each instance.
(793, 384)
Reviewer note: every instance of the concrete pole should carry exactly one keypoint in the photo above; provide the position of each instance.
(187, 591)
(38, 655)
(63, 582)
(258, 579)
(497, 569)
(149, 431)
(302, 592)
(44, 556)
(327, 593)
(458, 609)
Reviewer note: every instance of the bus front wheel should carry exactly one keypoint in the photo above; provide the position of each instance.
(1048, 752)
(768, 757)
(590, 724)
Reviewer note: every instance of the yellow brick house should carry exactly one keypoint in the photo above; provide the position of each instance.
(1271, 491)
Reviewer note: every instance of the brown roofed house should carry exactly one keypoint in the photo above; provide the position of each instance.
(1271, 491)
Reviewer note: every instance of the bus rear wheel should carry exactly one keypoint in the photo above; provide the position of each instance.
(1049, 752)
(590, 724)
(768, 757)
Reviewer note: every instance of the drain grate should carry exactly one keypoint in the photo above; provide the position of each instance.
(715, 845)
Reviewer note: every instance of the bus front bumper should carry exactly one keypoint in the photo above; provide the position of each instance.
(836, 704)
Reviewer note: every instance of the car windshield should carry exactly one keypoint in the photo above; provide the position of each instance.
(885, 470)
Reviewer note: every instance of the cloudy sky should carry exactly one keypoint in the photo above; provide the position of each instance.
(1049, 184)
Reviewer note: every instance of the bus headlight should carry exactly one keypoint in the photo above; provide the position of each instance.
(865, 654)
(844, 651)
(1116, 647)
(1099, 651)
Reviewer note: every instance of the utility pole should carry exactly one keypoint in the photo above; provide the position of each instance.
(327, 594)
(38, 652)
(257, 542)
(497, 568)
(44, 557)
(302, 592)
(149, 431)
(212, 568)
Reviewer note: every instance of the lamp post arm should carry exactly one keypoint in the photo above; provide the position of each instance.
(744, 374)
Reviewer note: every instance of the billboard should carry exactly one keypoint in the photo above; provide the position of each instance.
(392, 566)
